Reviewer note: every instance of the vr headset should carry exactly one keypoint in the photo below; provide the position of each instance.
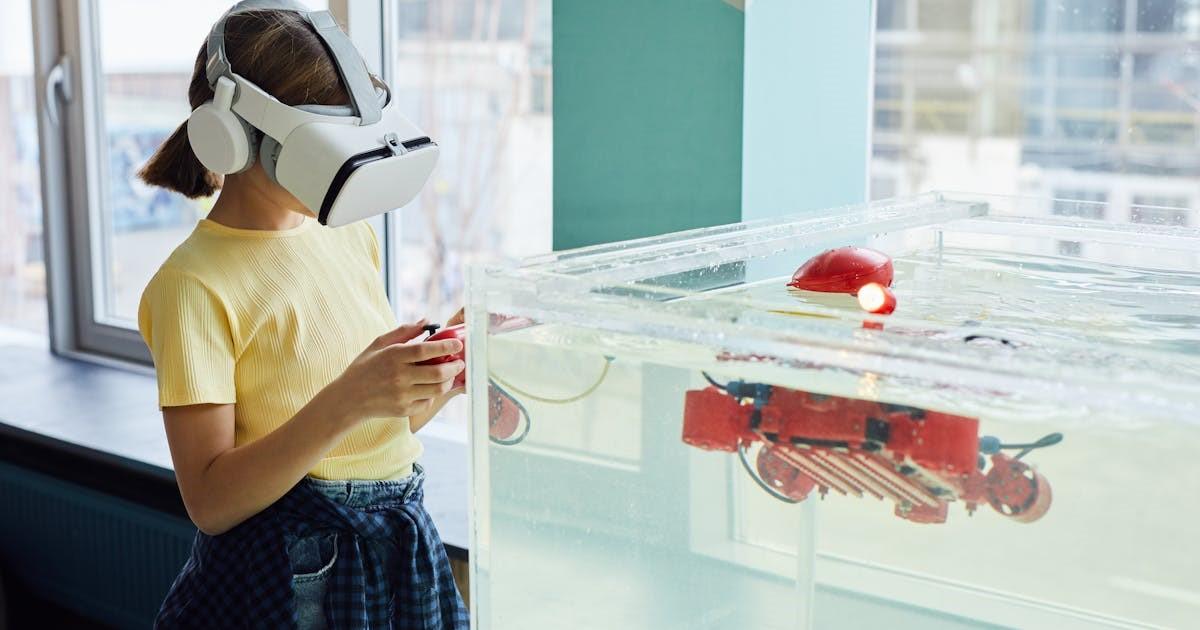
(345, 163)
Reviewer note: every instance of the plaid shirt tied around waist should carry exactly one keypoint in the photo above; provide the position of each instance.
(243, 578)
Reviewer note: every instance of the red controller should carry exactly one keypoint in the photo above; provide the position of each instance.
(504, 412)
(458, 332)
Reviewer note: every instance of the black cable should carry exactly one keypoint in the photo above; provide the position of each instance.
(1049, 440)
(754, 475)
(970, 338)
(713, 382)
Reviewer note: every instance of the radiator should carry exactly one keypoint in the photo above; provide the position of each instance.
(103, 557)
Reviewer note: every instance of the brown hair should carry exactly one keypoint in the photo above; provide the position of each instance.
(277, 50)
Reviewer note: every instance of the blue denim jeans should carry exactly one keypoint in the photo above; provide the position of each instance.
(313, 557)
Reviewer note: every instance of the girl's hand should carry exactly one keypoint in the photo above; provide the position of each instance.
(385, 382)
(459, 318)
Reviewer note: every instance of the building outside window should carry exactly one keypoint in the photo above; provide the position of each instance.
(144, 100)
(1041, 98)
(476, 76)
(22, 267)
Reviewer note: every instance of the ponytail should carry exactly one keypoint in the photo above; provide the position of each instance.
(175, 167)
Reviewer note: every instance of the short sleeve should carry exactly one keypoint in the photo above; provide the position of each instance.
(187, 329)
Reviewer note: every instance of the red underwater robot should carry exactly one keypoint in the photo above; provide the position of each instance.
(865, 273)
(920, 460)
(844, 270)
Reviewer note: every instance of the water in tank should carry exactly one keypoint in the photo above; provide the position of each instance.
(675, 432)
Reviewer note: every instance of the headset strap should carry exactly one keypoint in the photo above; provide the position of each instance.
(349, 64)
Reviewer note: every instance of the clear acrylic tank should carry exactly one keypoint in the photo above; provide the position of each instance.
(862, 486)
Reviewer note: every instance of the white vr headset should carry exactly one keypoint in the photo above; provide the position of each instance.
(345, 163)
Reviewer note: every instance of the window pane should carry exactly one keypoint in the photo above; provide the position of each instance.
(1160, 210)
(1044, 97)
(1079, 202)
(22, 273)
(1166, 16)
(476, 77)
(146, 54)
(1076, 16)
(943, 15)
(891, 15)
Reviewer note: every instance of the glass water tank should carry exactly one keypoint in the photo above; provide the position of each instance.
(665, 434)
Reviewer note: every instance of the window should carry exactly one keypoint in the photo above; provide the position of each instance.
(1076, 202)
(1164, 16)
(1047, 98)
(22, 271)
(891, 15)
(1070, 248)
(476, 77)
(144, 99)
(129, 66)
(943, 15)
(1087, 16)
(1159, 210)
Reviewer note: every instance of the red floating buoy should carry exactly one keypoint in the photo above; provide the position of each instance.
(844, 270)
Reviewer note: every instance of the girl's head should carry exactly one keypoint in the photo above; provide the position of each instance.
(276, 50)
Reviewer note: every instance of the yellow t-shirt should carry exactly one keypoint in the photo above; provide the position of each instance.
(265, 320)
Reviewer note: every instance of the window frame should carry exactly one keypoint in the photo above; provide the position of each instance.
(66, 35)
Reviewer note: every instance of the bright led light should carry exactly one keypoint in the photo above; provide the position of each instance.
(876, 298)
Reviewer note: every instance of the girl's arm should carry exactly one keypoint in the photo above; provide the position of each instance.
(223, 485)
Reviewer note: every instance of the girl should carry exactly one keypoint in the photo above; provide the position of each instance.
(289, 395)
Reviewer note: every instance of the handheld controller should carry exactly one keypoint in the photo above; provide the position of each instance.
(504, 413)
(458, 332)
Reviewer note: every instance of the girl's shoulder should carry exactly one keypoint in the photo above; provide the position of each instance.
(194, 266)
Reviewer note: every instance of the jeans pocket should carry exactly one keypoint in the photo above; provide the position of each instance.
(312, 560)
(313, 557)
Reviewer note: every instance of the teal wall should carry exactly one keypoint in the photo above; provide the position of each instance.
(807, 105)
(807, 111)
(647, 118)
